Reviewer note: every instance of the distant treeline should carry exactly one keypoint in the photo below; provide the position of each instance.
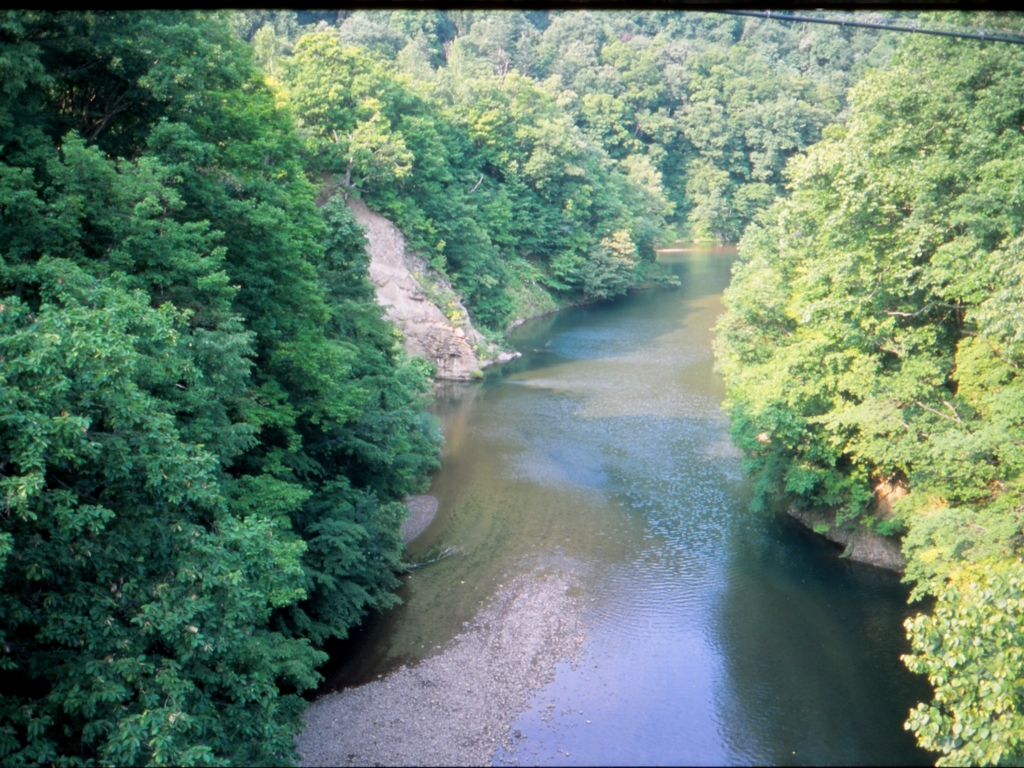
(546, 152)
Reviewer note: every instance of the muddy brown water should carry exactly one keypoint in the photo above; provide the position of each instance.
(713, 635)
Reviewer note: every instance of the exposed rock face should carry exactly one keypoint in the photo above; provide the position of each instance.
(403, 281)
(887, 493)
(861, 545)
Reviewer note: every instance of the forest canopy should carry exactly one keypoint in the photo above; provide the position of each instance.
(207, 426)
(532, 153)
(872, 344)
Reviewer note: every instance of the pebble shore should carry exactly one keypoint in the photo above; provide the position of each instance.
(457, 707)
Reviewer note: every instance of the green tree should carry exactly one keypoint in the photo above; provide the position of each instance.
(344, 107)
(206, 425)
(970, 650)
(135, 606)
(873, 335)
(490, 145)
(480, 191)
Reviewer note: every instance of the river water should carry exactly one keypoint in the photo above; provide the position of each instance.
(713, 635)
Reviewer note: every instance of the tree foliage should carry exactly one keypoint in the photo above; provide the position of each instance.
(206, 425)
(509, 146)
(485, 173)
(873, 335)
(970, 650)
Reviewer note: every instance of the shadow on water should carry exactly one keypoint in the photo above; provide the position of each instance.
(812, 645)
(714, 636)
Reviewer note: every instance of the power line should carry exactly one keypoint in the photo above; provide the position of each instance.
(776, 16)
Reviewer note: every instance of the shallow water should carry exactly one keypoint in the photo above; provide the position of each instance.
(714, 636)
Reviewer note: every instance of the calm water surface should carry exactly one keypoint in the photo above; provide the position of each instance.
(715, 636)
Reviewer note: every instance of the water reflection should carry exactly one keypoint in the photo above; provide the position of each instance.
(713, 636)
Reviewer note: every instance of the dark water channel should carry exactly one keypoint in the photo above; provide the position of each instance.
(714, 636)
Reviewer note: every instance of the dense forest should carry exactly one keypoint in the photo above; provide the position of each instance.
(207, 427)
(873, 342)
(534, 158)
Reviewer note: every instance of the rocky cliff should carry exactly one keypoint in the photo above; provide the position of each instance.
(422, 303)
(862, 545)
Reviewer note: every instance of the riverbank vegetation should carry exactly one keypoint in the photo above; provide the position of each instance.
(871, 349)
(206, 425)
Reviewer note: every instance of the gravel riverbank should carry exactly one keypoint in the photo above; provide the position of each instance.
(422, 510)
(455, 708)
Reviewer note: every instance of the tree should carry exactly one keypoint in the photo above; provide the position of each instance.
(873, 336)
(205, 423)
(970, 650)
(135, 605)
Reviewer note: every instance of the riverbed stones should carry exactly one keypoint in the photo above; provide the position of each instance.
(422, 509)
(457, 707)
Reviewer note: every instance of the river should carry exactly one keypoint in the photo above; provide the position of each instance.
(712, 635)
